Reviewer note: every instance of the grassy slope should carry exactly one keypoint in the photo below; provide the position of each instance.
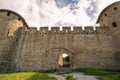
(25, 76)
(104, 75)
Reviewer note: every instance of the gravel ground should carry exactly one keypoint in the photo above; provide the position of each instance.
(80, 76)
(59, 77)
(77, 76)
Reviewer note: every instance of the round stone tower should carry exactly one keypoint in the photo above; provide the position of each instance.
(110, 17)
(9, 23)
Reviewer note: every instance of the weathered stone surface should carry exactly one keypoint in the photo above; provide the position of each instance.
(110, 17)
(39, 50)
(9, 24)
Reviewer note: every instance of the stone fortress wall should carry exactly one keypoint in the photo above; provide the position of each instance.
(24, 48)
(40, 50)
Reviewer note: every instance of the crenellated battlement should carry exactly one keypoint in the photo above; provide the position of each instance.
(102, 29)
(66, 29)
(76, 29)
(32, 29)
(55, 29)
(89, 28)
(43, 29)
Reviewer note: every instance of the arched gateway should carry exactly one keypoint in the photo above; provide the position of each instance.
(52, 58)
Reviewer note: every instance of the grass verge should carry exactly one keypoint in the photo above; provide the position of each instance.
(26, 76)
(103, 75)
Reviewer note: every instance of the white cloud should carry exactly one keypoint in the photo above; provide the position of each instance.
(46, 13)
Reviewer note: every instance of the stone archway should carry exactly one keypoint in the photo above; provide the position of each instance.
(50, 59)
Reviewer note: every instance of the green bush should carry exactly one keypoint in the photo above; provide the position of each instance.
(49, 71)
(96, 72)
(67, 58)
(70, 78)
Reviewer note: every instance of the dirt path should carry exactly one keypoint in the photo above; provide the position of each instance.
(77, 76)
(59, 77)
(80, 76)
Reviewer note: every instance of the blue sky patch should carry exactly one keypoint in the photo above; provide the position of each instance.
(63, 3)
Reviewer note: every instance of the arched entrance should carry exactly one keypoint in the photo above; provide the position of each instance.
(53, 58)
(64, 60)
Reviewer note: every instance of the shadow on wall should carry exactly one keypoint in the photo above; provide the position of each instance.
(118, 56)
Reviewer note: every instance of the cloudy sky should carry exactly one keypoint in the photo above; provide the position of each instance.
(57, 12)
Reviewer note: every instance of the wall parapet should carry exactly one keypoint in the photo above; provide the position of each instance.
(78, 29)
(33, 29)
(55, 29)
(103, 29)
(43, 29)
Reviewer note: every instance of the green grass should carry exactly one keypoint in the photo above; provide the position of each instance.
(103, 75)
(110, 77)
(26, 76)
(70, 78)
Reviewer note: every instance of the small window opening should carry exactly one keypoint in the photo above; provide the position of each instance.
(8, 14)
(115, 8)
(114, 24)
(105, 14)
(19, 18)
